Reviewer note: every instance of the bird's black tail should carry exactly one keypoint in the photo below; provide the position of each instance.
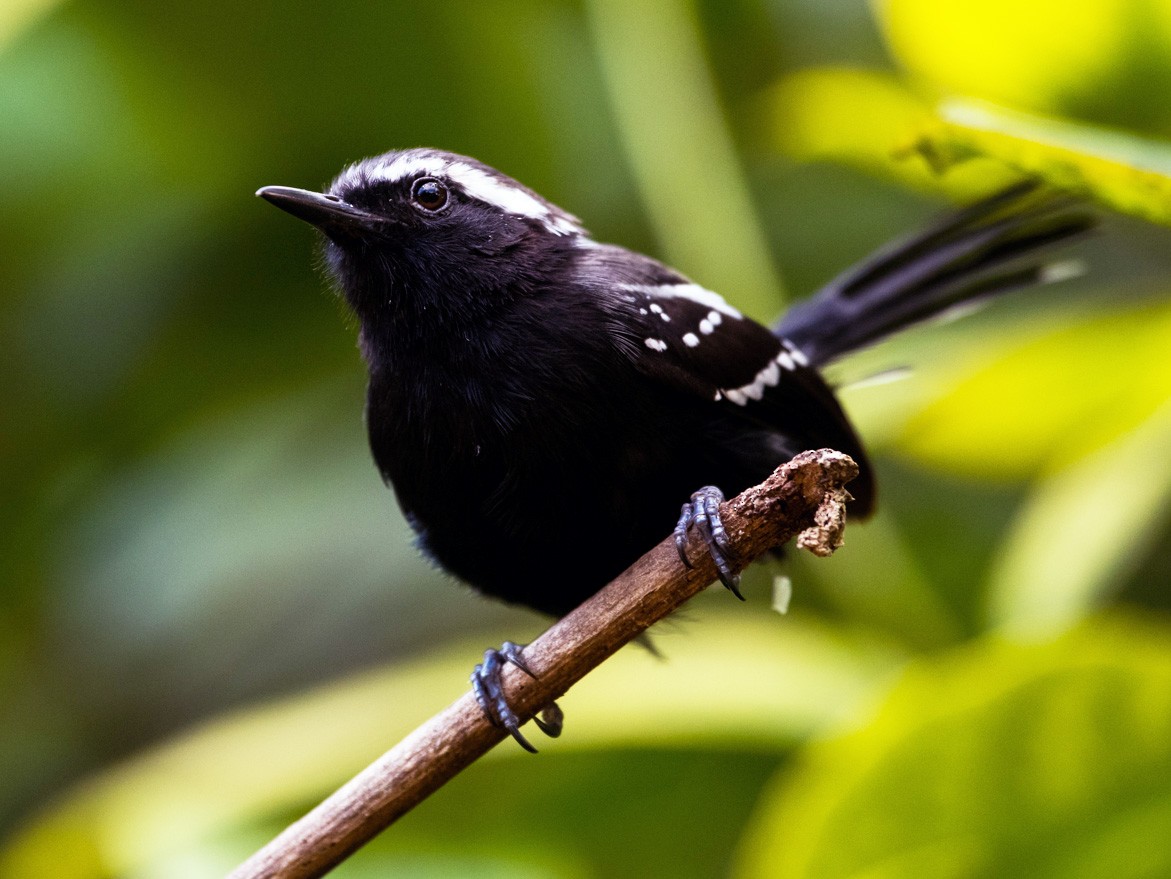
(972, 255)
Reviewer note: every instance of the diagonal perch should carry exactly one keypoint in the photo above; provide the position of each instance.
(805, 498)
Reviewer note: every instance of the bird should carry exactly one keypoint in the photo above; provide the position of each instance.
(529, 384)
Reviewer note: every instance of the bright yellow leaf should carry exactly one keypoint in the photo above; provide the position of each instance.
(1029, 54)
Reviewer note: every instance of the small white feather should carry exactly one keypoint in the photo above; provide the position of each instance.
(782, 593)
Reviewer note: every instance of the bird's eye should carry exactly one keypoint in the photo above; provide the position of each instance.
(429, 194)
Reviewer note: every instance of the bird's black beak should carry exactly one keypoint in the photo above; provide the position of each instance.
(328, 213)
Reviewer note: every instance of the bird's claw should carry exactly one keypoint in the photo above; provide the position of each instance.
(487, 684)
(703, 511)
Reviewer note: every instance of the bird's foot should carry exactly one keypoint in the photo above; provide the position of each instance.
(703, 511)
(487, 684)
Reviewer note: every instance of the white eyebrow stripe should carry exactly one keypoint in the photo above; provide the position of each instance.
(476, 183)
(408, 166)
(398, 168)
(509, 199)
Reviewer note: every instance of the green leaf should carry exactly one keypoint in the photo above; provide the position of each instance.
(1080, 529)
(1005, 760)
(1044, 403)
(1125, 172)
(869, 119)
(748, 683)
(875, 122)
(1031, 54)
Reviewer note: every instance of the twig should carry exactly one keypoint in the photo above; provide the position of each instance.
(803, 498)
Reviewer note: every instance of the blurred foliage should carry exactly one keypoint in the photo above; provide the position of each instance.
(261, 762)
(211, 611)
(999, 760)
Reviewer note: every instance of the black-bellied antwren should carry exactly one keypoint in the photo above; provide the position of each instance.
(528, 383)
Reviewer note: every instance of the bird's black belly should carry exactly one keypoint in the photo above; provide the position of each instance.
(549, 514)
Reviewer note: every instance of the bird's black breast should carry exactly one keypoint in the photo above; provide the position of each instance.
(508, 446)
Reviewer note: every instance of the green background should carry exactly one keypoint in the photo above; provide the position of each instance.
(210, 610)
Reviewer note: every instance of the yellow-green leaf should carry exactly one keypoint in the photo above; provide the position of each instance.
(1126, 172)
(1080, 529)
(1050, 400)
(1046, 761)
(1032, 54)
(868, 119)
(751, 682)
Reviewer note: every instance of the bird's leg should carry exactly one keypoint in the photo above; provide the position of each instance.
(703, 511)
(488, 686)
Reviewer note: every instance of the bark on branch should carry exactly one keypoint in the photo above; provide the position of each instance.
(804, 498)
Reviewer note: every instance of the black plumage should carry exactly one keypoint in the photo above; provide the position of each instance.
(528, 383)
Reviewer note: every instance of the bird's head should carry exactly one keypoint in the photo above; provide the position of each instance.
(424, 229)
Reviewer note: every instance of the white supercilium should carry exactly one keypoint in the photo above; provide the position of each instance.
(476, 183)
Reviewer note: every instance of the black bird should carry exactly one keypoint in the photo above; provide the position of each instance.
(528, 383)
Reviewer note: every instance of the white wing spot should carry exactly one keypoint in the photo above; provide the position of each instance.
(786, 360)
(768, 377)
(706, 327)
(642, 311)
(656, 308)
(797, 354)
(656, 344)
(693, 292)
(690, 340)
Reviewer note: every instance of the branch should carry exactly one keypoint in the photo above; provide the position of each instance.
(803, 498)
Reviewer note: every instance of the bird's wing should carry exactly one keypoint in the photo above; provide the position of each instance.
(688, 337)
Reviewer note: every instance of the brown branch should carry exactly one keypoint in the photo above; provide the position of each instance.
(803, 498)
